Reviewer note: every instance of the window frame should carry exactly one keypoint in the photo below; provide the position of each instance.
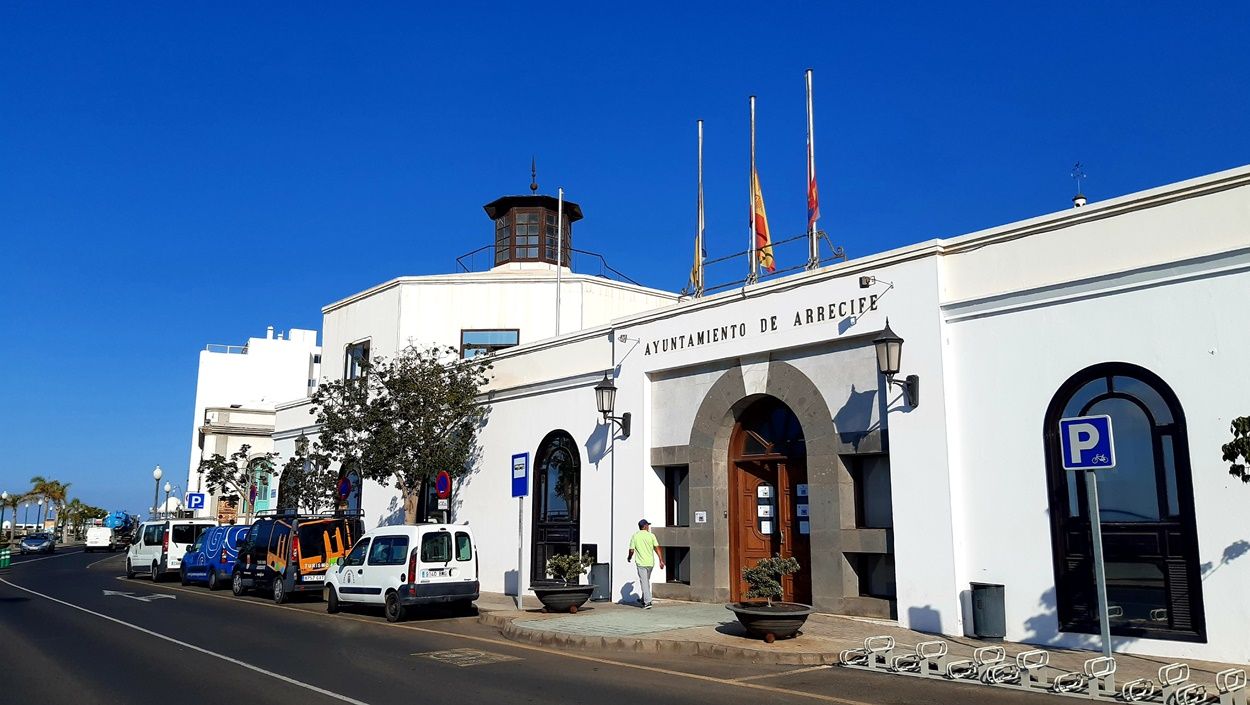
(510, 249)
(464, 346)
(391, 542)
(1178, 551)
(355, 371)
(367, 544)
(427, 538)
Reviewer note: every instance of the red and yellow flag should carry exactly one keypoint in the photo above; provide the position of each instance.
(763, 243)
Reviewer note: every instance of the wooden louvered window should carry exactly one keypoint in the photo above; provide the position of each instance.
(1150, 543)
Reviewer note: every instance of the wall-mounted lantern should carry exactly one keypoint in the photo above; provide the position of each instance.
(889, 358)
(605, 399)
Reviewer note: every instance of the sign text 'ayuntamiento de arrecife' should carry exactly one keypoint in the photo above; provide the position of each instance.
(827, 313)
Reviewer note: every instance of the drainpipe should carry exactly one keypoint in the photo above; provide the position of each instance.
(612, 480)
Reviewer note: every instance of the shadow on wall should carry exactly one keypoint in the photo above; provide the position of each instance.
(394, 513)
(1232, 552)
(854, 420)
(628, 596)
(924, 619)
(1043, 628)
(598, 442)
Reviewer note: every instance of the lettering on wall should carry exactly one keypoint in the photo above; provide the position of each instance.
(808, 316)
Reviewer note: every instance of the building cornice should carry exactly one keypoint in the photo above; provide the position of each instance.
(482, 278)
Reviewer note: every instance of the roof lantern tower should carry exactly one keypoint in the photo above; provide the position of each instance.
(525, 229)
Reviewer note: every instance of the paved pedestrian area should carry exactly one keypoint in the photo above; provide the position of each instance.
(626, 620)
(701, 629)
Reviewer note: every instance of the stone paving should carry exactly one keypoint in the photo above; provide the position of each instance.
(703, 629)
(629, 621)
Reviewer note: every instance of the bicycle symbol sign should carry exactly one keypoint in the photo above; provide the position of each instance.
(1086, 443)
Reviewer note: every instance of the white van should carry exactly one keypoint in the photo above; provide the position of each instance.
(404, 566)
(100, 537)
(160, 544)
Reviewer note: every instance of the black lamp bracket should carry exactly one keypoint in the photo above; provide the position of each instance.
(622, 421)
(910, 386)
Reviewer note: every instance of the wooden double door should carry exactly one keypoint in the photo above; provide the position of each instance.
(767, 517)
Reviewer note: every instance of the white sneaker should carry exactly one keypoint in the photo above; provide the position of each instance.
(647, 606)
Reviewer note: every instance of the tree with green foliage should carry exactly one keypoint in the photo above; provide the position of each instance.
(307, 482)
(405, 419)
(234, 476)
(764, 579)
(1237, 451)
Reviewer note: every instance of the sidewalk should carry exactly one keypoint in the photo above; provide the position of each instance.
(702, 629)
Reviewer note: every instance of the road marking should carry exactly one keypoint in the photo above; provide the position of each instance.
(141, 598)
(533, 647)
(120, 555)
(193, 647)
(36, 560)
(782, 673)
(467, 657)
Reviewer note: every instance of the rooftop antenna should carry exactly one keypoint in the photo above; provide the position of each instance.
(534, 175)
(1078, 175)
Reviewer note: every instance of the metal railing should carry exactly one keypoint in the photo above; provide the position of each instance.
(605, 270)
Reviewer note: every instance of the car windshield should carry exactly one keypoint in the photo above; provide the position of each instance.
(37, 537)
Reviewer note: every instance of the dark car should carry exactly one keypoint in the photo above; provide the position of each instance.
(37, 543)
(288, 552)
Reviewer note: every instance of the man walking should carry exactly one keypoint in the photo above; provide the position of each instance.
(644, 549)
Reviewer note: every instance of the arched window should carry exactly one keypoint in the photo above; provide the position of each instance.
(1150, 540)
(557, 501)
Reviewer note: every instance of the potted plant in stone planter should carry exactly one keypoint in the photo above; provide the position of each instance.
(563, 593)
(770, 619)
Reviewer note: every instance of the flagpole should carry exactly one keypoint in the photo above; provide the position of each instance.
(559, 251)
(698, 240)
(753, 274)
(813, 246)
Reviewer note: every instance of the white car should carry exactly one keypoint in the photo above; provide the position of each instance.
(100, 537)
(160, 545)
(400, 567)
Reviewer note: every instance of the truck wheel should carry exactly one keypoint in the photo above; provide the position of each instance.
(156, 573)
(332, 601)
(236, 585)
(212, 580)
(130, 571)
(279, 591)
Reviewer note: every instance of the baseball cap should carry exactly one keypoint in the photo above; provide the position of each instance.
(643, 522)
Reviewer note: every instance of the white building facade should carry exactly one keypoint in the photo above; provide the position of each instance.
(236, 392)
(760, 425)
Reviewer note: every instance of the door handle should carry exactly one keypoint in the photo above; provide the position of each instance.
(782, 532)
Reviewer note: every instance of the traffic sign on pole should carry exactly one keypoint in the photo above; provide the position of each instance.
(1087, 444)
(442, 484)
(520, 488)
(195, 500)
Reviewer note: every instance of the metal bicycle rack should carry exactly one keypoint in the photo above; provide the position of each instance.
(1031, 671)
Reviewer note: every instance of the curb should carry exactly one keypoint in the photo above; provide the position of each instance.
(644, 645)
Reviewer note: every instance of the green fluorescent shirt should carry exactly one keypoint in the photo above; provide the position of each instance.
(643, 543)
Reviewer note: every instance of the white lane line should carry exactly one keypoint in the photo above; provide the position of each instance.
(780, 674)
(193, 647)
(119, 555)
(36, 560)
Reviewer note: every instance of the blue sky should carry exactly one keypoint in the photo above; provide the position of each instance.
(175, 175)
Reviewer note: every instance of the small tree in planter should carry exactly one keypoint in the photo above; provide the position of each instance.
(564, 594)
(764, 580)
(568, 569)
(773, 620)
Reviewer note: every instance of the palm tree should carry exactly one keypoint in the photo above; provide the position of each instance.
(13, 502)
(52, 491)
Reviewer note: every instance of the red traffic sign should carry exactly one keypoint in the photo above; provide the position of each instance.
(442, 484)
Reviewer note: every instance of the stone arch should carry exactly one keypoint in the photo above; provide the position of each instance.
(708, 454)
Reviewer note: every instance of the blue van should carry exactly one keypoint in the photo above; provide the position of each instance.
(211, 559)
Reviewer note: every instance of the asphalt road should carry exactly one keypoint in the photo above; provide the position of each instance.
(73, 643)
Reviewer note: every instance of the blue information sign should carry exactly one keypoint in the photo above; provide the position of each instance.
(1086, 443)
(520, 474)
(195, 500)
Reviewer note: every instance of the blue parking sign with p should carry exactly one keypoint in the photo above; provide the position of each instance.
(195, 500)
(1086, 443)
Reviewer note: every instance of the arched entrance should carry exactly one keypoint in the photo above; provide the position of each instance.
(768, 498)
(556, 501)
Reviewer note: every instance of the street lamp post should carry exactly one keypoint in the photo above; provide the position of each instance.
(156, 475)
(39, 515)
(168, 487)
(26, 517)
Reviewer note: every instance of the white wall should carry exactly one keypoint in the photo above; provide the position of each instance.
(272, 371)
(1162, 301)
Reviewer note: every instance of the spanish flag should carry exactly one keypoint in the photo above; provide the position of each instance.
(763, 243)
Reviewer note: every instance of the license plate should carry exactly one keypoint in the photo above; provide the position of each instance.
(313, 578)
